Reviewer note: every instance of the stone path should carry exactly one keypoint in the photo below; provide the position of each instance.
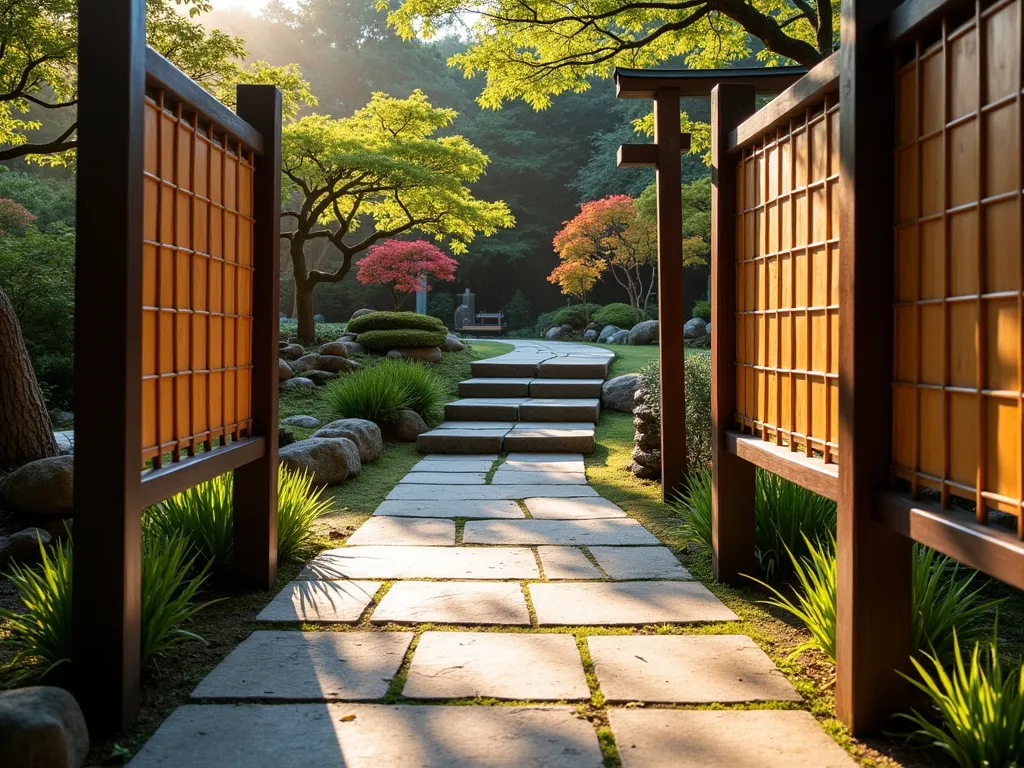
(495, 612)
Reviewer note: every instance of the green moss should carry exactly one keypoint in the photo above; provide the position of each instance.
(406, 337)
(393, 321)
(620, 315)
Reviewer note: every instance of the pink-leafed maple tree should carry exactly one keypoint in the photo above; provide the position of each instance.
(406, 266)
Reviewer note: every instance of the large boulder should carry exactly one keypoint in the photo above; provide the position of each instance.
(644, 333)
(453, 343)
(619, 337)
(23, 546)
(306, 422)
(352, 347)
(606, 334)
(590, 334)
(42, 487)
(335, 364)
(299, 382)
(42, 727)
(306, 363)
(364, 433)
(617, 394)
(592, 326)
(291, 352)
(284, 371)
(335, 349)
(360, 313)
(409, 425)
(559, 333)
(695, 328)
(426, 354)
(330, 460)
(707, 329)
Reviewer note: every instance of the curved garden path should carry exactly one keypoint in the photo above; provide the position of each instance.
(496, 611)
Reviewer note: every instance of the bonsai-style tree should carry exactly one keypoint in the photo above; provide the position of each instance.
(577, 278)
(375, 175)
(406, 267)
(609, 232)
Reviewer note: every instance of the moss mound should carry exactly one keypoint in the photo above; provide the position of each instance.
(403, 337)
(394, 321)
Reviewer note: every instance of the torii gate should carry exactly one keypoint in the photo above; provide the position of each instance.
(666, 87)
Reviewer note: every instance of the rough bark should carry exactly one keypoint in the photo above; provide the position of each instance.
(25, 430)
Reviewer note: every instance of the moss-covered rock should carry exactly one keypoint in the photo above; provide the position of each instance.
(393, 321)
(406, 337)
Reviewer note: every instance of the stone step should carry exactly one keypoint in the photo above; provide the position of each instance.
(560, 409)
(484, 409)
(565, 387)
(570, 367)
(463, 441)
(496, 412)
(498, 387)
(503, 369)
(565, 438)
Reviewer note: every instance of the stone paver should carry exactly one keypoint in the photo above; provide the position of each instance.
(496, 508)
(543, 466)
(626, 603)
(452, 665)
(469, 492)
(514, 459)
(423, 563)
(567, 563)
(680, 669)
(541, 477)
(476, 426)
(321, 601)
(566, 387)
(445, 478)
(626, 563)
(371, 736)
(404, 531)
(577, 440)
(308, 666)
(574, 532)
(465, 465)
(666, 738)
(496, 387)
(443, 457)
(459, 440)
(546, 508)
(453, 602)
(563, 408)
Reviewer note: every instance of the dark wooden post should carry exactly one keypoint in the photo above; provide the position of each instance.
(732, 484)
(256, 482)
(108, 315)
(671, 317)
(874, 594)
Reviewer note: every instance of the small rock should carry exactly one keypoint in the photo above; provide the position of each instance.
(329, 460)
(645, 333)
(42, 487)
(617, 394)
(284, 437)
(299, 382)
(409, 425)
(42, 727)
(695, 328)
(335, 349)
(619, 337)
(306, 422)
(348, 337)
(606, 334)
(647, 458)
(360, 313)
(23, 546)
(319, 319)
(335, 364)
(426, 354)
(321, 377)
(452, 343)
(364, 433)
(291, 352)
(284, 371)
(306, 363)
(352, 347)
(648, 441)
(590, 335)
(639, 398)
(648, 473)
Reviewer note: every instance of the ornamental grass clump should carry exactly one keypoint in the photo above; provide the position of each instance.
(379, 393)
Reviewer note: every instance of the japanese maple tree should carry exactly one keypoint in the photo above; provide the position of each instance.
(406, 266)
(577, 278)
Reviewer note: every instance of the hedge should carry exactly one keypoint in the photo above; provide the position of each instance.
(618, 314)
(575, 316)
(402, 337)
(393, 321)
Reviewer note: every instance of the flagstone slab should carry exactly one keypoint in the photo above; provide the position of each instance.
(674, 738)
(541, 439)
(404, 531)
(371, 736)
(321, 601)
(573, 532)
(496, 508)
(475, 425)
(542, 458)
(626, 603)
(467, 464)
(308, 666)
(534, 426)
(539, 477)
(453, 602)
(445, 478)
(567, 465)
(566, 387)
(471, 492)
(460, 440)
(567, 563)
(450, 457)
(686, 669)
(423, 563)
(453, 665)
(628, 563)
(547, 508)
(495, 387)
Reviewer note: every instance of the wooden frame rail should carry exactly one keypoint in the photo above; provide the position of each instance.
(148, 205)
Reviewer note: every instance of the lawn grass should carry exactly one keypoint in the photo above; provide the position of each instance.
(627, 359)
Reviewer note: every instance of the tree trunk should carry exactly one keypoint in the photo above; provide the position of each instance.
(25, 430)
(304, 312)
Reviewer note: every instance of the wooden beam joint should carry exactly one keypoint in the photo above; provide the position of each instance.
(646, 155)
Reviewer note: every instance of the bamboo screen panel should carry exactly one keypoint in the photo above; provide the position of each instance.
(959, 271)
(197, 285)
(787, 280)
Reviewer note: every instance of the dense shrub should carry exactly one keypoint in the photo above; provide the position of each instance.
(379, 393)
(405, 337)
(702, 309)
(544, 321)
(518, 312)
(441, 306)
(575, 316)
(698, 404)
(392, 321)
(619, 315)
(325, 332)
(50, 200)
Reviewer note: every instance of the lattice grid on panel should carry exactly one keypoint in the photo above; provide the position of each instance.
(197, 285)
(787, 285)
(959, 281)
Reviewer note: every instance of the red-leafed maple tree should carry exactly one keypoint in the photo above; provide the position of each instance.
(405, 266)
